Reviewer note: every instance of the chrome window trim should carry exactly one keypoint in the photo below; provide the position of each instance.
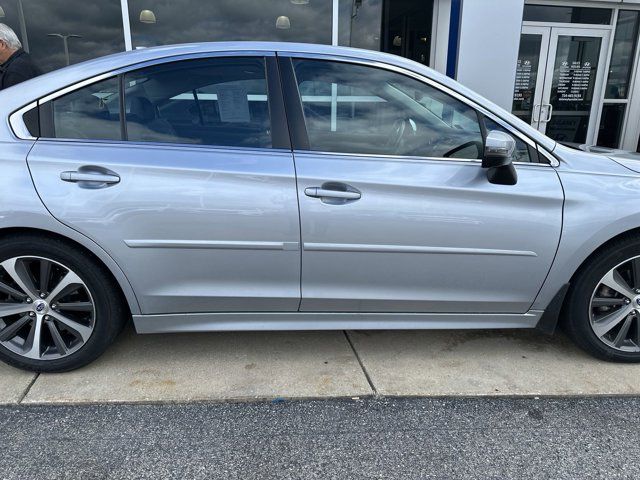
(76, 86)
(409, 158)
(553, 160)
(150, 63)
(156, 145)
(17, 125)
(20, 131)
(429, 81)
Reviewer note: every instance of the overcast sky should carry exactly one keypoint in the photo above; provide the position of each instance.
(180, 21)
(99, 23)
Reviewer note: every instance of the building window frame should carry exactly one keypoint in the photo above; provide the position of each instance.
(126, 23)
(633, 86)
(630, 134)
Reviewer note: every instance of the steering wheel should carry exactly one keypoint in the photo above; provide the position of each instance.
(401, 128)
(459, 148)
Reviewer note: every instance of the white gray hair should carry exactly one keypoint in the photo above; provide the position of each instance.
(9, 37)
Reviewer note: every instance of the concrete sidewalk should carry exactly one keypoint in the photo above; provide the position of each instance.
(270, 365)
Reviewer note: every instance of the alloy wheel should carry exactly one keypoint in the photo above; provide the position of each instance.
(46, 310)
(615, 307)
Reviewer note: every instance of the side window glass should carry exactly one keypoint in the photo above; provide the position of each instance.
(91, 112)
(521, 153)
(352, 108)
(219, 101)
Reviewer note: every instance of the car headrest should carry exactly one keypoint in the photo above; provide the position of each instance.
(142, 110)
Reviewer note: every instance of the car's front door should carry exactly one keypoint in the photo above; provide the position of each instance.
(397, 214)
(193, 194)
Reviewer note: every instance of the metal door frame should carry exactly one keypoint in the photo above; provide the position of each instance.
(598, 91)
(543, 61)
(541, 113)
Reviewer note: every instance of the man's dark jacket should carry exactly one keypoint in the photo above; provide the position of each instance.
(18, 68)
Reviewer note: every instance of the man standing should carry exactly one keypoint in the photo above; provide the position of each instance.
(15, 64)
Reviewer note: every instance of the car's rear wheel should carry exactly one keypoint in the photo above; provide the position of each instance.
(59, 308)
(602, 311)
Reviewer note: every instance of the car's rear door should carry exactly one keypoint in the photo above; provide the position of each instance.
(397, 214)
(193, 193)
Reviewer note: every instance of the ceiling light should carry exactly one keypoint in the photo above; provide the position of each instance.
(147, 16)
(283, 22)
(300, 2)
(1, 12)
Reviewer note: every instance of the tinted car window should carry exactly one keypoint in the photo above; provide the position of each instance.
(521, 153)
(91, 112)
(358, 109)
(221, 101)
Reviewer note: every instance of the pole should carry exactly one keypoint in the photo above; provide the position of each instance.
(65, 40)
(23, 27)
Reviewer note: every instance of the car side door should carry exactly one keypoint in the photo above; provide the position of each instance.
(397, 214)
(182, 171)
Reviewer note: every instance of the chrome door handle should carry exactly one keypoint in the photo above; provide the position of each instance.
(319, 192)
(549, 112)
(76, 177)
(536, 108)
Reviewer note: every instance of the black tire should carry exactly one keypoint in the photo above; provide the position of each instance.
(111, 312)
(576, 312)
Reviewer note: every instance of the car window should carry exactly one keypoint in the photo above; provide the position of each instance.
(521, 153)
(91, 112)
(352, 108)
(220, 101)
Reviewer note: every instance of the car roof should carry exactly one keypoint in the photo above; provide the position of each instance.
(15, 98)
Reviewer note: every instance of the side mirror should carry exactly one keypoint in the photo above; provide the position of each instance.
(498, 158)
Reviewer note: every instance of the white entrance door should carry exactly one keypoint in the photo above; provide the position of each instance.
(559, 80)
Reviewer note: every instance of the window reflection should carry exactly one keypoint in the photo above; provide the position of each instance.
(61, 32)
(561, 14)
(92, 112)
(611, 125)
(164, 22)
(357, 109)
(526, 76)
(624, 49)
(359, 23)
(406, 29)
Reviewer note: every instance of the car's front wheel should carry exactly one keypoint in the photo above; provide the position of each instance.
(59, 308)
(602, 311)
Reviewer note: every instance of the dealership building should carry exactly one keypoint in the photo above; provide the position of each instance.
(570, 68)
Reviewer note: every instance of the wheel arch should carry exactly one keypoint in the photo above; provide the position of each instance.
(91, 249)
(634, 232)
(555, 307)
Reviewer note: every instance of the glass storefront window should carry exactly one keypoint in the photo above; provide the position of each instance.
(406, 29)
(359, 23)
(165, 22)
(526, 76)
(622, 58)
(560, 14)
(61, 32)
(611, 125)
(617, 90)
(572, 91)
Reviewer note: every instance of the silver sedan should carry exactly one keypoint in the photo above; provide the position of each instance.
(265, 186)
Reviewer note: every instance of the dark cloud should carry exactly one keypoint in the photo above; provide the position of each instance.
(98, 22)
(180, 21)
(359, 24)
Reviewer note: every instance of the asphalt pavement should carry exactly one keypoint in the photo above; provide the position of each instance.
(399, 438)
